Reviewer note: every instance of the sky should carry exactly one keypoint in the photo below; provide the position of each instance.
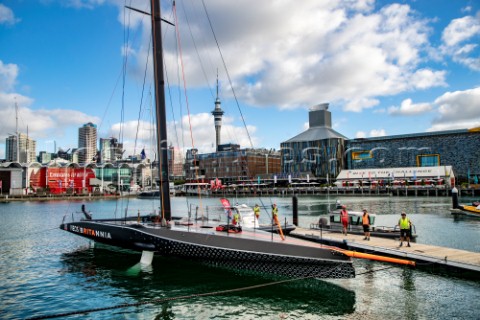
(385, 68)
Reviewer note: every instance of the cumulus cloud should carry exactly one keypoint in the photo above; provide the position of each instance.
(202, 128)
(41, 123)
(461, 39)
(359, 105)
(342, 52)
(361, 135)
(7, 17)
(8, 76)
(407, 108)
(83, 4)
(460, 30)
(457, 110)
(372, 133)
(426, 78)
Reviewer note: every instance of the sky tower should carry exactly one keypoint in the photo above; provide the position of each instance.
(217, 114)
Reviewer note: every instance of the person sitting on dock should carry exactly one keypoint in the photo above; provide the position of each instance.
(366, 224)
(405, 226)
(344, 219)
(256, 211)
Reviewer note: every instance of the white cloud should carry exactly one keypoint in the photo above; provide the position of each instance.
(360, 104)
(40, 124)
(372, 133)
(377, 133)
(460, 30)
(455, 37)
(426, 78)
(407, 108)
(459, 109)
(341, 52)
(83, 4)
(8, 76)
(7, 16)
(203, 133)
(360, 135)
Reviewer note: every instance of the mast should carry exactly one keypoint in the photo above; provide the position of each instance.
(162, 147)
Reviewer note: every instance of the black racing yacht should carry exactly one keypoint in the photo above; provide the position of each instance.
(246, 249)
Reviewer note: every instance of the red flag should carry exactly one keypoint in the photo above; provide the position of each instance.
(226, 205)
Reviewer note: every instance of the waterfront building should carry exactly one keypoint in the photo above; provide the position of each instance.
(457, 148)
(318, 151)
(439, 176)
(232, 165)
(11, 178)
(87, 143)
(24, 152)
(324, 152)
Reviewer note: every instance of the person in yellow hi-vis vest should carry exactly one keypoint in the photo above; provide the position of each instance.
(405, 225)
(256, 211)
(236, 218)
(275, 219)
(274, 211)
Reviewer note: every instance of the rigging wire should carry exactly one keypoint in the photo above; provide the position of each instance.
(228, 74)
(141, 98)
(196, 50)
(126, 36)
(186, 97)
(169, 86)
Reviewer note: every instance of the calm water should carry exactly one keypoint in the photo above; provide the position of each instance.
(46, 271)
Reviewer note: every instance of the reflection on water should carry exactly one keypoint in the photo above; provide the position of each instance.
(170, 278)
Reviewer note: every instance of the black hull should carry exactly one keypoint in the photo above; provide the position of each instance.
(224, 250)
(149, 195)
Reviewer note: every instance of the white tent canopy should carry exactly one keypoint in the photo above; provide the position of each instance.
(408, 173)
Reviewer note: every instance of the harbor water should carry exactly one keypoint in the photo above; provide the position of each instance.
(45, 271)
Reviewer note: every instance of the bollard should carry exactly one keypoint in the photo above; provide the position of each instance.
(455, 198)
(295, 210)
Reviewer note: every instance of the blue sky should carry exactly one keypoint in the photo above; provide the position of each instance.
(385, 68)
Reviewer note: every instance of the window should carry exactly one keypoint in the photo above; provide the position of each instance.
(360, 155)
(428, 160)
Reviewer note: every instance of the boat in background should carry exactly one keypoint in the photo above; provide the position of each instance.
(332, 223)
(196, 188)
(467, 210)
(149, 194)
(199, 240)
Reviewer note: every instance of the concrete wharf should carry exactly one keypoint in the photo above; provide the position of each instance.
(435, 258)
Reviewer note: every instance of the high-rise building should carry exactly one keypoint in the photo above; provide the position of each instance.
(110, 149)
(25, 152)
(44, 157)
(175, 161)
(87, 143)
